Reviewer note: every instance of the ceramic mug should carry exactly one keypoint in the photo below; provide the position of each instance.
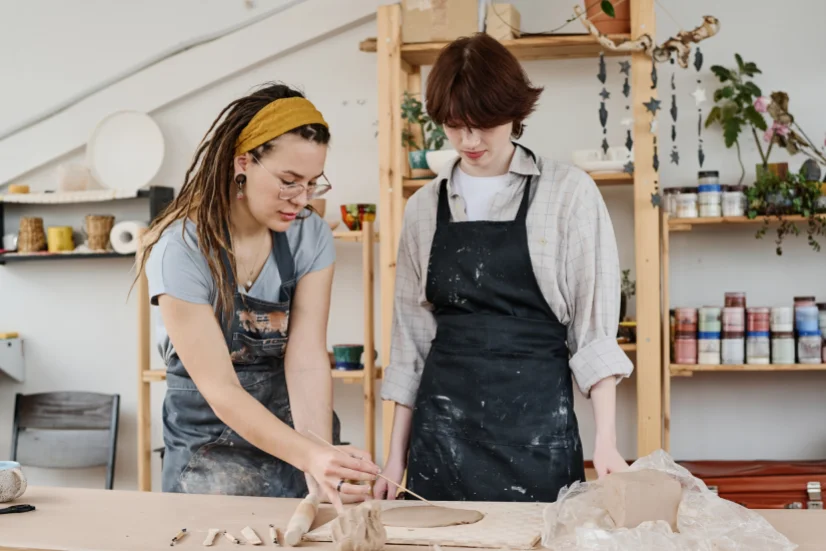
(10, 242)
(12, 481)
(348, 356)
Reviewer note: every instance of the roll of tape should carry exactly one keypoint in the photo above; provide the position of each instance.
(18, 188)
(124, 236)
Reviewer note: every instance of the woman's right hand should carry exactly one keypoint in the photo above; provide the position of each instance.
(329, 467)
(394, 470)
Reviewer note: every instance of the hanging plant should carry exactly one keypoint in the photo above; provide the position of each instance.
(772, 196)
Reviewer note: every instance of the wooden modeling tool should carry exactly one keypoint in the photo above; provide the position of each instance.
(302, 520)
(402, 488)
(273, 535)
(250, 535)
(178, 537)
(231, 538)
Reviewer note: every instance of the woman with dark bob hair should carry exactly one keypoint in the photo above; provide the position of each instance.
(507, 284)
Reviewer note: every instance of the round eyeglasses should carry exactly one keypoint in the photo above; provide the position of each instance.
(291, 190)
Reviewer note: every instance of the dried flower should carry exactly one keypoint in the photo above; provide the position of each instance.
(761, 104)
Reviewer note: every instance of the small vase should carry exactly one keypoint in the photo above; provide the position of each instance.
(418, 164)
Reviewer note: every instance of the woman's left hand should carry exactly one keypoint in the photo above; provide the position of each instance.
(607, 459)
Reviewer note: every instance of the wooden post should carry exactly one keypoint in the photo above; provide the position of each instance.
(646, 241)
(666, 333)
(369, 342)
(144, 403)
(389, 66)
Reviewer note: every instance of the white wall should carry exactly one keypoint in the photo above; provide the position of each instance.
(70, 342)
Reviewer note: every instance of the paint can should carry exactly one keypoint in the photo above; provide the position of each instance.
(709, 195)
(733, 349)
(758, 319)
(782, 319)
(735, 299)
(685, 349)
(734, 320)
(687, 205)
(783, 351)
(757, 347)
(708, 348)
(809, 347)
(709, 320)
(686, 321)
(821, 314)
(806, 319)
(734, 201)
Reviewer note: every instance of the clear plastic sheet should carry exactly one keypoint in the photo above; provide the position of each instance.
(705, 522)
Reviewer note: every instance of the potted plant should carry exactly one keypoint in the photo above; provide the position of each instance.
(433, 137)
(741, 106)
(628, 290)
(609, 16)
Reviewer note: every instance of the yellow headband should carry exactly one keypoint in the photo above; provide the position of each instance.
(275, 119)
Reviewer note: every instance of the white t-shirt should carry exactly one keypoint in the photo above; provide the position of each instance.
(477, 192)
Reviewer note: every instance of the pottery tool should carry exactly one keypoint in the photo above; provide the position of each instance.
(301, 520)
(402, 488)
(231, 538)
(178, 537)
(250, 535)
(17, 509)
(210, 538)
(273, 535)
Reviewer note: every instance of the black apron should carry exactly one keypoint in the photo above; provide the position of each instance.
(205, 456)
(494, 415)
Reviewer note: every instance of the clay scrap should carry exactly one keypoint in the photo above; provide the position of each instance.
(360, 528)
(428, 516)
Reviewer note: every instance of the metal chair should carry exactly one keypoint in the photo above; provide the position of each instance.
(66, 430)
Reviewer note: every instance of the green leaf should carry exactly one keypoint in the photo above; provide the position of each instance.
(751, 69)
(731, 131)
(753, 89)
(713, 116)
(740, 64)
(723, 93)
(608, 8)
(755, 118)
(722, 73)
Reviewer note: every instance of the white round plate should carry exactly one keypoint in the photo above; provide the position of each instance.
(125, 151)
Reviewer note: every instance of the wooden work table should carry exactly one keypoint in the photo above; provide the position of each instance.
(70, 519)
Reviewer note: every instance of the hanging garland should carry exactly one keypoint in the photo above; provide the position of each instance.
(675, 154)
(699, 98)
(603, 112)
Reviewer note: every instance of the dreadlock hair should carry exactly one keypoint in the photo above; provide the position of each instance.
(208, 186)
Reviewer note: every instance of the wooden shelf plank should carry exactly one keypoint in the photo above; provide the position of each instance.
(687, 224)
(6, 258)
(525, 49)
(688, 369)
(70, 197)
(352, 236)
(628, 346)
(612, 178)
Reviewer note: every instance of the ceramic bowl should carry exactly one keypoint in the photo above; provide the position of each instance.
(353, 214)
(348, 356)
(438, 159)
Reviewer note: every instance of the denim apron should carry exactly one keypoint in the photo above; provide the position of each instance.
(494, 415)
(205, 456)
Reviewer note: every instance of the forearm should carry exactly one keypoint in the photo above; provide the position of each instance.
(400, 439)
(310, 388)
(603, 400)
(257, 425)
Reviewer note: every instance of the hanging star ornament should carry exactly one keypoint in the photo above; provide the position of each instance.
(628, 168)
(675, 157)
(699, 95)
(625, 67)
(605, 94)
(656, 199)
(652, 106)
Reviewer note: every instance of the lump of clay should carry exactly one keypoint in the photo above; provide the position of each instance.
(634, 497)
(360, 528)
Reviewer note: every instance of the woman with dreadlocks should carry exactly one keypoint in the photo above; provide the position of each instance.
(241, 270)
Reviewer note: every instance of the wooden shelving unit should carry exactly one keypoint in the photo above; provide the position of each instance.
(399, 70)
(367, 376)
(602, 179)
(670, 225)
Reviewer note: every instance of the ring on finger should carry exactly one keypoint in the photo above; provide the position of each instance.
(338, 488)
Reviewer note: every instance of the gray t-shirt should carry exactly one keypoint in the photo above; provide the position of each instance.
(177, 267)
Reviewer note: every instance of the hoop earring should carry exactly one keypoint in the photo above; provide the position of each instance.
(518, 129)
(240, 180)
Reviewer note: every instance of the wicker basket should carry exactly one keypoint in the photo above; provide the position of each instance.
(98, 228)
(31, 236)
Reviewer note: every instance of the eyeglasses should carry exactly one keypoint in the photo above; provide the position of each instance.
(291, 190)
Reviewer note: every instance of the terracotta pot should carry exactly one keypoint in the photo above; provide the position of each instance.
(619, 24)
